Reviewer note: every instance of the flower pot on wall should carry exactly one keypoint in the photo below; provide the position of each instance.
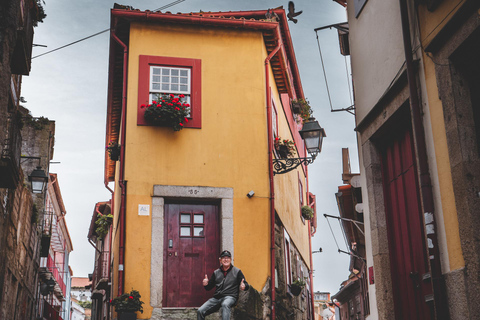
(127, 316)
(283, 151)
(295, 290)
(296, 107)
(114, 154)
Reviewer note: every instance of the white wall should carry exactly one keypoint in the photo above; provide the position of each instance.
(374, 64)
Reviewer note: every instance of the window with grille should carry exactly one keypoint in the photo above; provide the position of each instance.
(167, 75)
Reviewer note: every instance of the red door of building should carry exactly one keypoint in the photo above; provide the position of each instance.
(408, 257)
(192, 246)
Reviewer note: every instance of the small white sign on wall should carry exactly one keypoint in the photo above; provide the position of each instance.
(143, 209)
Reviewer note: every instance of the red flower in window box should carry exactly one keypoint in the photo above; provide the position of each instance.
(165, 112)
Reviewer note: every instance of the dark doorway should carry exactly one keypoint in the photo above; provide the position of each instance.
(408, 257)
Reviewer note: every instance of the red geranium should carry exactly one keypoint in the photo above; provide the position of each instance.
(167, 110)
(128, 302)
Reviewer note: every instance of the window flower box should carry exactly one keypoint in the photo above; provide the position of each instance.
(167, 111)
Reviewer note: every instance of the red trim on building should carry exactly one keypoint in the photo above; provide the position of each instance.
(195, 65)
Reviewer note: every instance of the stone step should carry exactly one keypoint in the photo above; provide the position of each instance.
(180, 314)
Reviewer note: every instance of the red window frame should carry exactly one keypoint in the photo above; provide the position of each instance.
(195, 65)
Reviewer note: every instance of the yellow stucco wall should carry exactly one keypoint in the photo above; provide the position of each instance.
(287, 189)
(430, 24)
(230, 150)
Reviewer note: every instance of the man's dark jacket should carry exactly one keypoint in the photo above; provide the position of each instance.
(226, 285)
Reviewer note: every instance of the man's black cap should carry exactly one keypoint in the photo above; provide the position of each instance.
(225, 253)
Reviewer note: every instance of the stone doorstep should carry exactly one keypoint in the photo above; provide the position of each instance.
(173, 313)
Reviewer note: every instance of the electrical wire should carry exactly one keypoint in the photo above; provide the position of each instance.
(333, 234)
(348, 82)
(344, 233)
(324, 73)
(103, 31)
(169, 5)
(72, 43)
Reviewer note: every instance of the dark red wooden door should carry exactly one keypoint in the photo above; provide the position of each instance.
(408, 256)
(192, 246)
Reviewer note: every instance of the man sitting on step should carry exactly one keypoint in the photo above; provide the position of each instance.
(227, 280)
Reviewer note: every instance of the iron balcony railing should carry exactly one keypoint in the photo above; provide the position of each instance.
(50, 312)
(101, 276)
(58, 275)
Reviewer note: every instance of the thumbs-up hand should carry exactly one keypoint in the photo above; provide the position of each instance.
(205, 281)
(242, 285)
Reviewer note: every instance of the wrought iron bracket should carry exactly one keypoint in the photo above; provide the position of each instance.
(281, 166)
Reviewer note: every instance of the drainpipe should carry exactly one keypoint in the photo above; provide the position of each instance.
(270, 168)
(310, 235)
(122, 183)
(425, 182)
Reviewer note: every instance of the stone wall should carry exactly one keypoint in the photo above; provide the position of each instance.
(20, 265)
(288, 306)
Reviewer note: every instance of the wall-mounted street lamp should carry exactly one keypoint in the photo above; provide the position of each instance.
(38, 179)
(318, 251)
(312, 134)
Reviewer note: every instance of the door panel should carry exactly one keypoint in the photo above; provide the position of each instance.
(408, 256)
(192, 246)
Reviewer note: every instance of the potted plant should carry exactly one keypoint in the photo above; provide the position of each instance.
(113, 149)
(285, 147)
(168, 111)
(302, 108)
(103, 224)
(127, 304)
(307, 212)
(297, 286)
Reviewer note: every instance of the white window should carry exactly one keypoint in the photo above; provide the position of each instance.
(170, 80)
(288, 265)
(274, 120)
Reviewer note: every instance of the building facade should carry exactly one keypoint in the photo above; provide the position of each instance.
(418, 140)
(55, 280)
(181, 197)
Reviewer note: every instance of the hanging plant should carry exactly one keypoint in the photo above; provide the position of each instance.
(285, 147)
(103, 224)
(307, 212)
(302, 109)
(168, 111)
(297, 286)
(113, 150)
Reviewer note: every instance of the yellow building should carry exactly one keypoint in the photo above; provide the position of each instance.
(183, 196)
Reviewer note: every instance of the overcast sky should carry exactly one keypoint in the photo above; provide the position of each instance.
(70, 87)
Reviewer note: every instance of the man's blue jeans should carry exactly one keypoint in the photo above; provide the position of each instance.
(213, 305)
